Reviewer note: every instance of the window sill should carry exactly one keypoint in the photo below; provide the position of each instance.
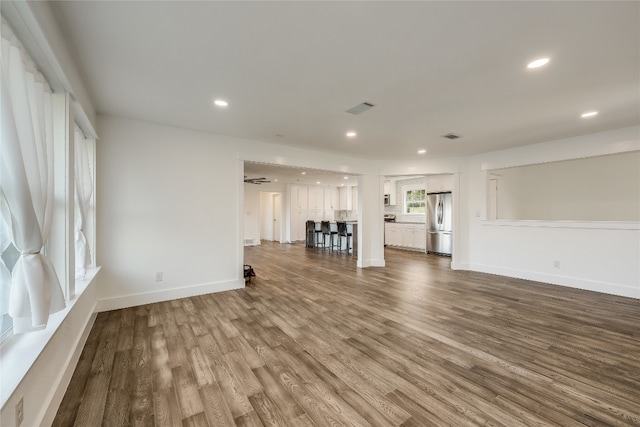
(19, 352)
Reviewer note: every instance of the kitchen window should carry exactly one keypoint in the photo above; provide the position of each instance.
(414, 200)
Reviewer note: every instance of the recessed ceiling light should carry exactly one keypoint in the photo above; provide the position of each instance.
(346, 177)
(304, 173)
(275, 180)
(317, 182)
(589, 114)
(351, 134)
(538, 63)
(221, 102)
(422, 151)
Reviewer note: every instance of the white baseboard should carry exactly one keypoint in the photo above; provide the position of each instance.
(133, 300)
(459, 266)
(370, 263)
(58, 392)
(572, 282)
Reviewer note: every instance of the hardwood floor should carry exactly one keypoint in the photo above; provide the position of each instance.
(316, 341)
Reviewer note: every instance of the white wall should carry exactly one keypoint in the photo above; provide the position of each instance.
(600, 188)
(596, 255)
(251, 214)
(168, 202)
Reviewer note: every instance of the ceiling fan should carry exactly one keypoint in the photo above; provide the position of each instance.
(257, 181)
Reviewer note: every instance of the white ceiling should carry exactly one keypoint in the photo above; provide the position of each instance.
(284, 174)
(289, 70)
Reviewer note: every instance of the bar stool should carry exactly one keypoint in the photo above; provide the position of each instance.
(310, 228)
(343, 231)
(325, 226)
(318, 232)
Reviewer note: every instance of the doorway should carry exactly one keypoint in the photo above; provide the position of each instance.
(277, 215)
(271, 216)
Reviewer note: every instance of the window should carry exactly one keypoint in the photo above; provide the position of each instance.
(27, 193)
(414, 201)
(83, 202)
(8, 258)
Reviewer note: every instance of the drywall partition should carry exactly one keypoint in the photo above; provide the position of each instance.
(599, 188)
(251, 215)
(171, 201)
(168, 218)
(595, 255)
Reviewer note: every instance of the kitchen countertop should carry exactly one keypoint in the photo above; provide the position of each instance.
(404, 222)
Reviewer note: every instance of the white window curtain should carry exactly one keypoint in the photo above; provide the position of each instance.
(26, 182)
(83, 192)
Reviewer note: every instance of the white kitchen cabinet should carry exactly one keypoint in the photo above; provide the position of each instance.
(439, 183)
(393, 198)
(387, 186)
(393, 234)
(316, 198)
(420, 238)
(415, 236)
(299, 197)
(329, 200)
(345, 202)
(406, 236)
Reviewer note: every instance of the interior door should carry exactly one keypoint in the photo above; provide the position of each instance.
(277, 212)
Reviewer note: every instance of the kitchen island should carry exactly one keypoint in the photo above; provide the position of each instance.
(352, 228)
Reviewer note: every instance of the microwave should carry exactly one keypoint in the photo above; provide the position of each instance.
(387, 200)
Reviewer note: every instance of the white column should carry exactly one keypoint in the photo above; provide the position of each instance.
(370, 221)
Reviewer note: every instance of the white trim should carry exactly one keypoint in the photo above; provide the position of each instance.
(133, 300)
(370, 263)
(592, 225)
(572, 282)
(18, 353)
(459, 266)
(48, 412)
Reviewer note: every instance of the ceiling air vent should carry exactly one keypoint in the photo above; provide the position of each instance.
(452, 136)
(360, 108)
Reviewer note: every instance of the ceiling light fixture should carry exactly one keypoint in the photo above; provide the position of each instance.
(221, 103)
(351, 134)
(304, 173)
(538, 63)
(422, 151)
(346, 177)
(589, 114)
(317, 182)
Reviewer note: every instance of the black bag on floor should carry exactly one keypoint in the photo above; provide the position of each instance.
(248, 273)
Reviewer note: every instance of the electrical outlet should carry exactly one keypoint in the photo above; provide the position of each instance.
(159, 276)
(556, 264)
(19, 411)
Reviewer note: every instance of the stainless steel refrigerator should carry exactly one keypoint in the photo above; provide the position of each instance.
(439, 220)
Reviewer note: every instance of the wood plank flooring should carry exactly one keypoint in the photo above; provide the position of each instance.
(316, 341)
